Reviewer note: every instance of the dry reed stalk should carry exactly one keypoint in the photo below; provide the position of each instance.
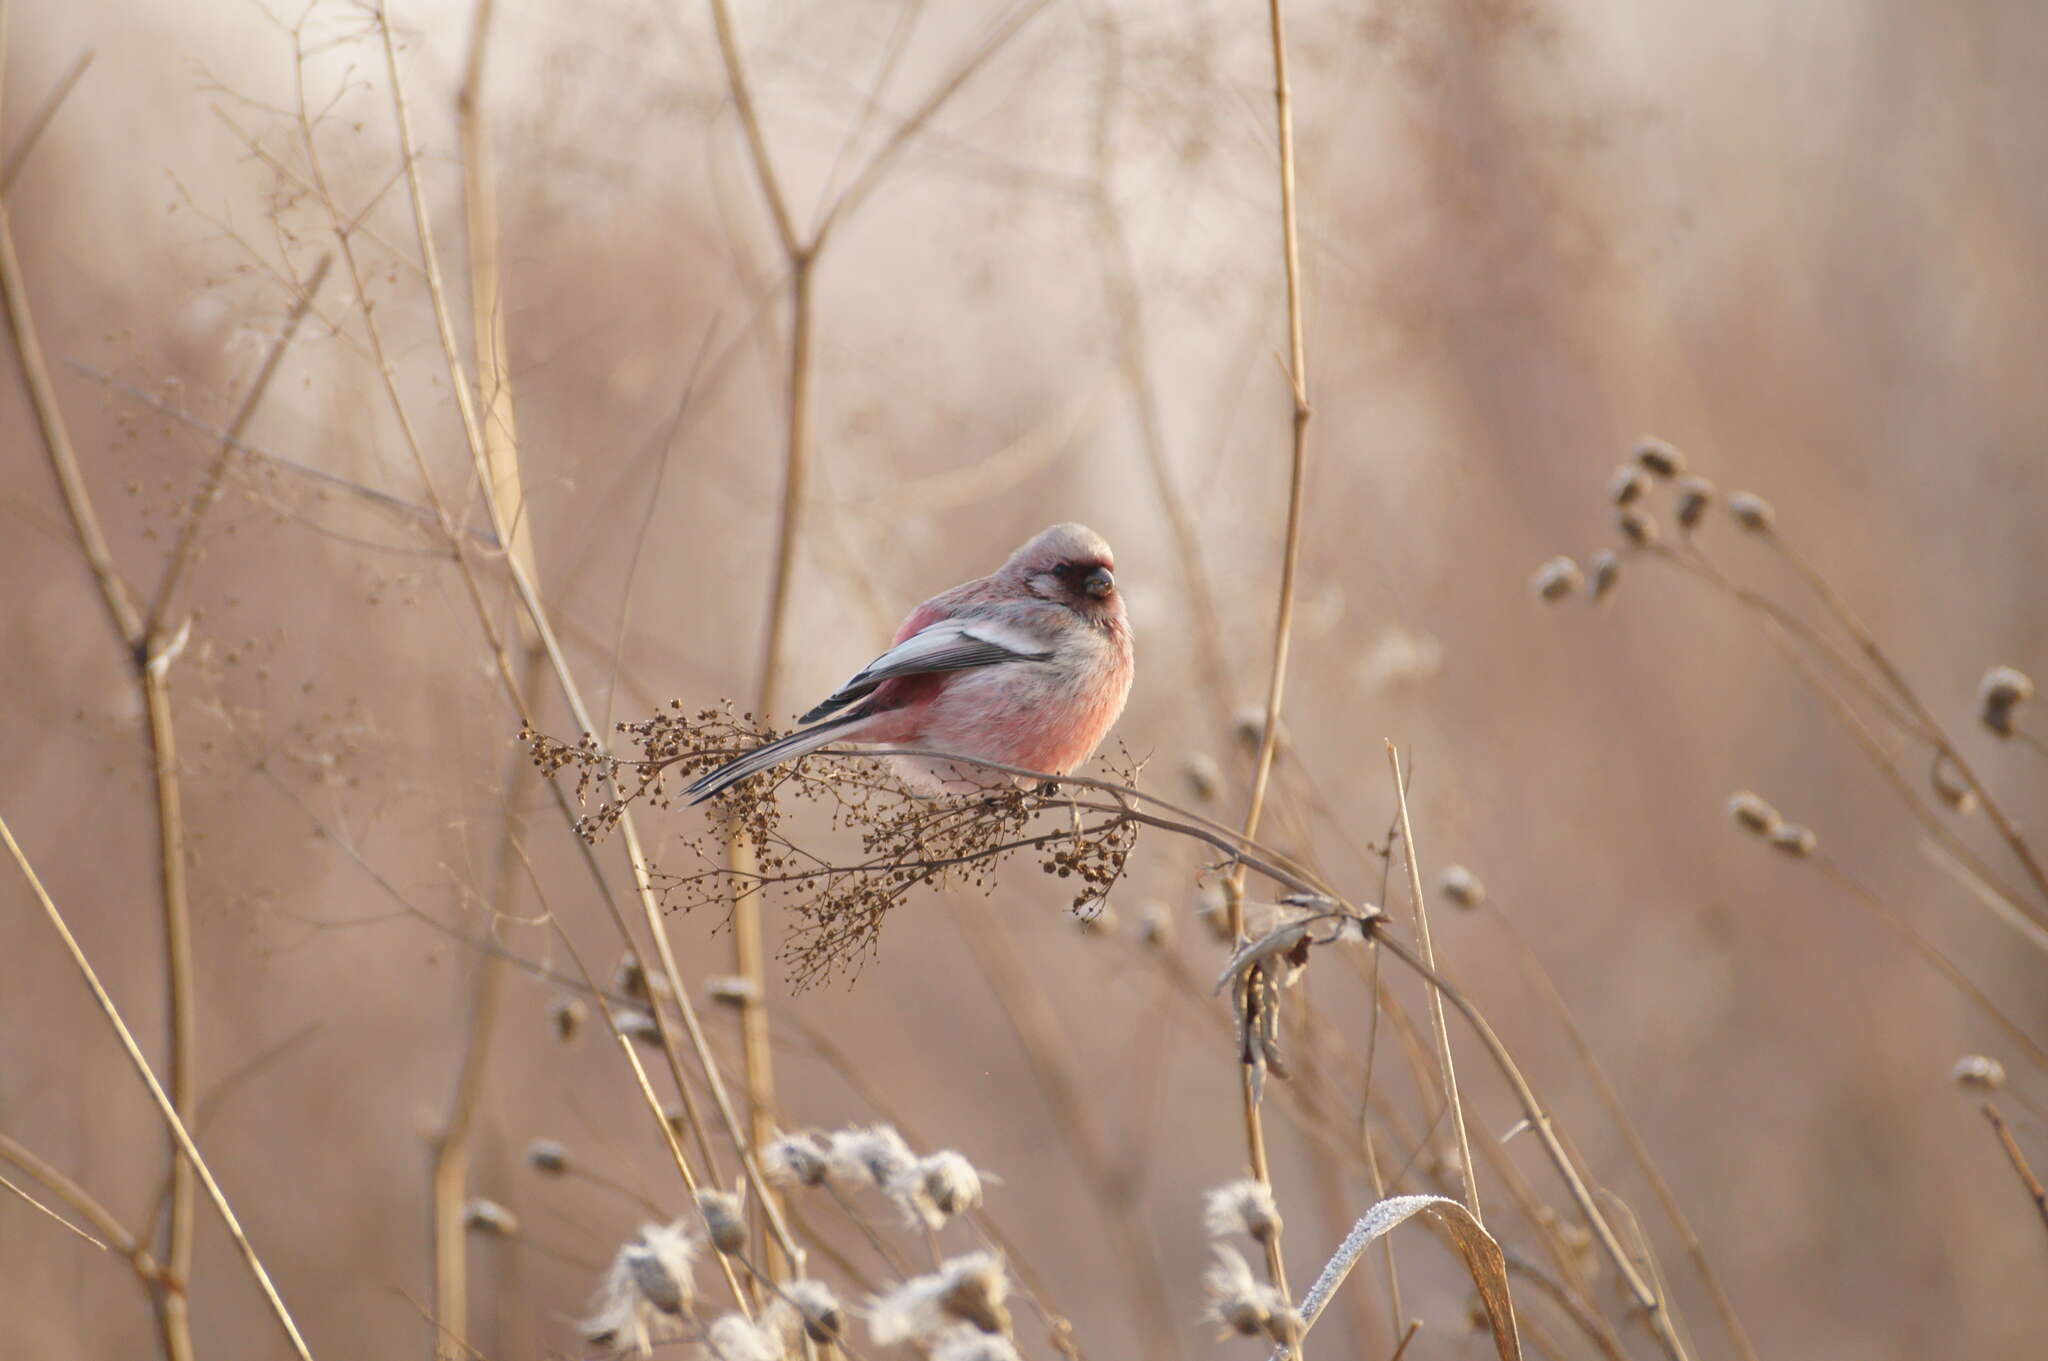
(691, 1181)
(1283, 624)
(163, 1101)
(1638, 1148)
(150, 655)
(801, 256)
(529, 601)
(1439, 1029)
(501, 487)
(39, 122)
(2032, 1183)
(86, 1206)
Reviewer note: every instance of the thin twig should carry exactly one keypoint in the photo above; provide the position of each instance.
(2035, 1191)
(1466, 1171)
(39, 122)
(163, 1102)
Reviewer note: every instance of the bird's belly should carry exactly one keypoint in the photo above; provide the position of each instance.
(1034, 718)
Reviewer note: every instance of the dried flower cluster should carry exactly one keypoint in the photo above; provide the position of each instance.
(930, 1190)
(649, 1296)
(880, 840)
(1652, 464)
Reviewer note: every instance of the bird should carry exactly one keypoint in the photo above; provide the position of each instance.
(1028, 666)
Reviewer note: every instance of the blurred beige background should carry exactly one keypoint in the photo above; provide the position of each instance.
(1804, 244)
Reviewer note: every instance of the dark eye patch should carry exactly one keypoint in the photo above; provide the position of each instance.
(1065, 569)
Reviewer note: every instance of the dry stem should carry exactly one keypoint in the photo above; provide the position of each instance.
(170, 1113)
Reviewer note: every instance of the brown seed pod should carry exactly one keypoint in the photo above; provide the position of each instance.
(1695, 494)
(1628, 484)
(1638, 528)
(1556, 579)
(1794, 840)
(1752, 814)
(1606, 574)
(1752, 512)
(1659, 458)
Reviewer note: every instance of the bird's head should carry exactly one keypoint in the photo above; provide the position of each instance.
(1069, 565)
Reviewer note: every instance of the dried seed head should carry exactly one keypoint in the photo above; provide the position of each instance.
(1638, 528)
(629, 979)
(1752, 512)
(972, 1344)
(1244, 1207)
(2003, 691)
(1949, 784)
(1606, 574)
(725, 1218)
(967, 1289)
(823, 1319)
(975, 1288)
(643, 1293)
(1155, 924)
(1461, 886)
(1556, 579)
(1628, 484)
(1979, 1070)
(730, 990)
(567, 1015)
(734, 1337)
(1203, 775)
(1695, 494)
(875, 1156)
(545, 1155)
(489, 1217)
(1794, 840)
(659, 1264)
(1250, 726)
(636, 1024)
(1659, 459)
(794, 1160)
(950, 1182)
(1753, 814)
(1236, 1302)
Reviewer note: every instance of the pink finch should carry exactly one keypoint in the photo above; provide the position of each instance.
(1028, 666)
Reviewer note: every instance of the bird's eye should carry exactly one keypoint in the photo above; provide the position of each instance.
(1064, 570)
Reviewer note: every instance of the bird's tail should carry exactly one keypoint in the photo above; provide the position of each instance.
(774, 753)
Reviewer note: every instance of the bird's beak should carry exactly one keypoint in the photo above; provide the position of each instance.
(1099, 583)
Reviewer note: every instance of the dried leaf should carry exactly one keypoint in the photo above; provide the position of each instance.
(1481, 1255)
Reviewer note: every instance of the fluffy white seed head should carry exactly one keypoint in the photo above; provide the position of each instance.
(1244, 1207)
(567, 1015)
(939, 1186)
(968, 1343)
(793, 1160)
(547, 1156)
(733, 1337)
(1461, 886)
(1980, 1071)
(1999, 696)
(1794, 840)
(725, 1218)
(875, 1156)
(822, 1317)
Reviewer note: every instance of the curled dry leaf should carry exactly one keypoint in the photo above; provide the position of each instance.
(1481, 1255)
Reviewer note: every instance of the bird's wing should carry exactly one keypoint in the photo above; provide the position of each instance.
(945, 645)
